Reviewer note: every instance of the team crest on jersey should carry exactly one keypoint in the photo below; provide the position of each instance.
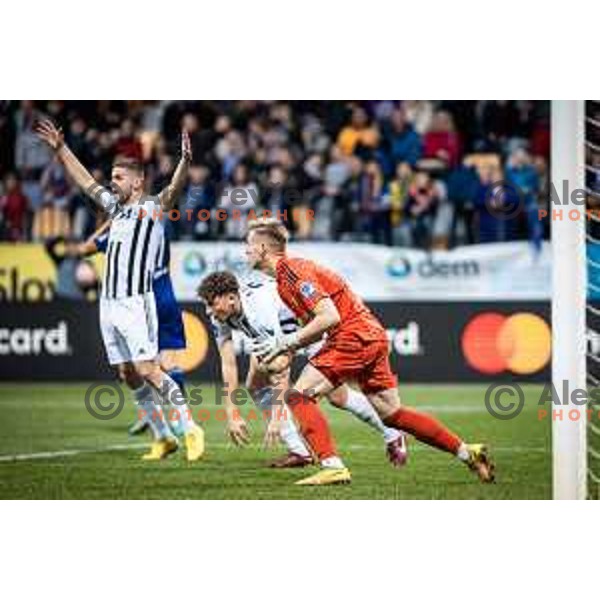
(307, 289)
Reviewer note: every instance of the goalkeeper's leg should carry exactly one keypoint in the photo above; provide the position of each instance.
(430, 431)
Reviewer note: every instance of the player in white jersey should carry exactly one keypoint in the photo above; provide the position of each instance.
(127, 306)
(253, 307)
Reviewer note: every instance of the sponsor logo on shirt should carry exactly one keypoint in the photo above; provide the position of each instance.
(307, 289)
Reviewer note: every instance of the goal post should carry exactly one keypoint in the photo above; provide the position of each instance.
(569, 287)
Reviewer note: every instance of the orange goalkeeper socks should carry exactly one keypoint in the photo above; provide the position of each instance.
(313, 426)
(425, 428)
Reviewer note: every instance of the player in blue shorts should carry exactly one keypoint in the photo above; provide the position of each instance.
(171, 335)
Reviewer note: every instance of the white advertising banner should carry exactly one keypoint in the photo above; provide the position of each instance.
(503, 271)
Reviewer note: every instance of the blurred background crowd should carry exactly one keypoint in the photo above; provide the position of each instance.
(402, 173)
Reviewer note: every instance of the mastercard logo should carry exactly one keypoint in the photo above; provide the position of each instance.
(196, 340)
(493, 343)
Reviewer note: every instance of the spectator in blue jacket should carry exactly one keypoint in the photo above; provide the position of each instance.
(521, 173)
(198, 196)
(494, 202)
(404, 143)
(463, 189)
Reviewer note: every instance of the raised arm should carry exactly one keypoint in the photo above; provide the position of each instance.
(54, 137)
(168, 197)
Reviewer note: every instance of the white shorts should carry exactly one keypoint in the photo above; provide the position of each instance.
(129, 328)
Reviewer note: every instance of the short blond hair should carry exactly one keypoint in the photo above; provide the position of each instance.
(272, 228)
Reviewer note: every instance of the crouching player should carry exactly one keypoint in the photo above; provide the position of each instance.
(254, 308)
(356, 349)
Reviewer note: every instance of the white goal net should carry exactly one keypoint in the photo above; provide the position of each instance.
(592, 227)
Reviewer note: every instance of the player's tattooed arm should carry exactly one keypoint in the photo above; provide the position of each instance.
(236, 426)
(53, 136)
(229, 368)
(168, 197)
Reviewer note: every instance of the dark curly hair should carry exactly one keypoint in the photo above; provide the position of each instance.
(217, 284)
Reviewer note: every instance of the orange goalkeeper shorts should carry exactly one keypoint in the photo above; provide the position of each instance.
(351, 357)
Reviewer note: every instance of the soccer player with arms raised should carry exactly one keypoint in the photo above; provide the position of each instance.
(128, 316)
(356, 349)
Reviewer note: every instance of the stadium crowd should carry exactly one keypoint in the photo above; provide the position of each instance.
(406, 173)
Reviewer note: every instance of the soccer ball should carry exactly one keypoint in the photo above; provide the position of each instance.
(277, 365)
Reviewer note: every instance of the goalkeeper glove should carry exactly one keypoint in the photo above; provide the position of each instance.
(271, 347)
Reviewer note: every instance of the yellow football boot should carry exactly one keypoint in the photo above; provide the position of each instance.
(194, 443)
(327, 476)
(481, 463)
(161, 449)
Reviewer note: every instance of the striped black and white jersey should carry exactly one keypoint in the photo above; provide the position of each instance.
(135, 251)
(263, 314)
(163, 255)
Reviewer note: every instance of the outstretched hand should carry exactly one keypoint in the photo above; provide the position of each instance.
(273, 432)
(237, 430)
(49, 133)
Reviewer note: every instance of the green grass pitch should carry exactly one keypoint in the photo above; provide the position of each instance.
(50, 447)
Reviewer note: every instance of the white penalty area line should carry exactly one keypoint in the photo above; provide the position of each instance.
(6, 458)
(12, 458)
